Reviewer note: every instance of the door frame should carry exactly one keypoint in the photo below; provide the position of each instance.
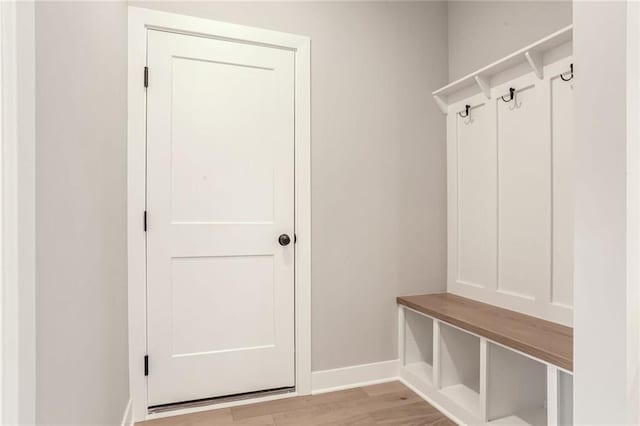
(140, 21)
(17, 213)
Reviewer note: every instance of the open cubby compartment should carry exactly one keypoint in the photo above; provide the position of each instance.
(460, 368)
(565, 399)
(418, 350)
(516, 388)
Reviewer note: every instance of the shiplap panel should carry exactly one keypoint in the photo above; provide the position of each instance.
(477, 191)
(563, 198)
(524, 195)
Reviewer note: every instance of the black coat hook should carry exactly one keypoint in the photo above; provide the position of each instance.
(570, 74)
(512, 92)
(466, 111)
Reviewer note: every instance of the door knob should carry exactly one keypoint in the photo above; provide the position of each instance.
(284, 240)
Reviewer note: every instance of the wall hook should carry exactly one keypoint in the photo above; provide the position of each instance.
(512, 92)
(570, 74)
(466, 111)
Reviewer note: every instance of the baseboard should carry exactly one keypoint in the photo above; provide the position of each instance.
(127, 417)
(354, 376)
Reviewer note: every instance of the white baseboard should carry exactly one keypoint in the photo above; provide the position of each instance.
(354, 376)
(127, 417)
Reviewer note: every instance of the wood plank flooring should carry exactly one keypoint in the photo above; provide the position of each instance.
(384, 404)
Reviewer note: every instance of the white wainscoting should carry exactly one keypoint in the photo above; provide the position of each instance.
(510, 193)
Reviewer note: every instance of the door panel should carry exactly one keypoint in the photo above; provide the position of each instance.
(198, 310)
(203, 165)
(220, 185)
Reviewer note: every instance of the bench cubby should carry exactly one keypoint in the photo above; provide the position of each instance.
(516, 388)
(460, 367)
(418, 351)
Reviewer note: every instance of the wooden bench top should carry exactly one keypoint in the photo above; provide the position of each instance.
(541, 339)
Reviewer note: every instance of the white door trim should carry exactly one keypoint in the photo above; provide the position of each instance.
(140, 20)
(17, 213)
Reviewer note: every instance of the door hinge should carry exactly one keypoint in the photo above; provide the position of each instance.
(146, 76)
(144, 221)
(146, 365)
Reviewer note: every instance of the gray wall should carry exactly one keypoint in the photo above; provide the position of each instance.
(378, 161)
(481, 32)
(378, 182)
(82, 366)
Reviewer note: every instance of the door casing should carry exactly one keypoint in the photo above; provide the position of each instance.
(140, 21)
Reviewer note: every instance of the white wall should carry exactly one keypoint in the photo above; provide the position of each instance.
(82, 364)
(378, 181)
(17, 269)
(606, 223)
(633, 212)
(481, 32)
(26, 210)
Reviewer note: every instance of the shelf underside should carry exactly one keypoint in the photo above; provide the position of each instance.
(533, 417)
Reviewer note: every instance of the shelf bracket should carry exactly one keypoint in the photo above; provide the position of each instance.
(441, 104)
(535, 61)
(484, 86)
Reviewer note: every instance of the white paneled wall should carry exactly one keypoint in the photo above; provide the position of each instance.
(510, 187)
(477, 197)
(524, 191)
(563, 188)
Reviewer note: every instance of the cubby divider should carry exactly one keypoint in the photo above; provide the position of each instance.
(565, 399)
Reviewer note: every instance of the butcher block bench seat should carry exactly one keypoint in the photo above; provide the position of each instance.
(538, 338)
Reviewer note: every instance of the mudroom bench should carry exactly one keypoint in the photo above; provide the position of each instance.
(486, 365)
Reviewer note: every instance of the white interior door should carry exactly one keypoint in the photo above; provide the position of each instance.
(220, 193)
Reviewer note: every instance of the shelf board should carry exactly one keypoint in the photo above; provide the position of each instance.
(421, 370)
(532, 417)
(463, 396)
(530, 54)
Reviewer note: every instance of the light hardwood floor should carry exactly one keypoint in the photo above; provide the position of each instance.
(384, 404)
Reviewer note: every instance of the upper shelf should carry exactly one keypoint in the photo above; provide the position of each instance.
(531, 54)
